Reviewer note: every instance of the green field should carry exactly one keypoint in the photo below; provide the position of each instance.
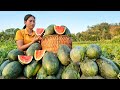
(109, 50)
(5, 47)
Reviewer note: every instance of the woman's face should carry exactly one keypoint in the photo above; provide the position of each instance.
(30, 23)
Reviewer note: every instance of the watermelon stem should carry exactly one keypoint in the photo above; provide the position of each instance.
(118, 76)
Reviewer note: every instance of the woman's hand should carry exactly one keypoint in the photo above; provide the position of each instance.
(40, 38)
(37, 38)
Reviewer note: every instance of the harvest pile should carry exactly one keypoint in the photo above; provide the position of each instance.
(55, 29)
(76, 63)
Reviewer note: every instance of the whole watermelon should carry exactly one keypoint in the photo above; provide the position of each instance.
(12, 70)
(71, 72)
(63, 54)
(93, 51)
(107, 68)
(42, 74)
(49, 30)
(3, 65)
(77, 54)
(50, 63)
(31, 69)
(13, 54)
(35, 46)
(73, 66)
(89, 68)
(60, 71)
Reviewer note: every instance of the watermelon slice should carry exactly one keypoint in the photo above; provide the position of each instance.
(39, 31)
(59, 29)
(23, 59)
(38, 54)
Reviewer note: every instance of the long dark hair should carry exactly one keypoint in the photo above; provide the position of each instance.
(26, 18)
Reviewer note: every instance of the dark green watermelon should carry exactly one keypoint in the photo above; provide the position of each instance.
(3, 65)
(49, 30)
(107, 68)
(60, 71)
(50, 63)
(12, 70)
(30, 69)
(35, 46)
(13, 54)
(42, 74)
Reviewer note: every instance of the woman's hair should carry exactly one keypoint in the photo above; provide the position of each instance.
(26, 18)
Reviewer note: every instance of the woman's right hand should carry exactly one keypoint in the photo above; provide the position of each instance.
(36, 38)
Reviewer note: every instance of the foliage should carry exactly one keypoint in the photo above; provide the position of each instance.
(5, 47)
(116, 39)
(98, 32)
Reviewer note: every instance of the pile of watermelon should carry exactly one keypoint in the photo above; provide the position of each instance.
(76, 63)
(53, 30)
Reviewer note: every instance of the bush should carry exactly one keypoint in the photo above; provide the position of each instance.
(116, 39)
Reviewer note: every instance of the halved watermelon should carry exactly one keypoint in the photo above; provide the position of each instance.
(23, 59)
(59, 29)
(39, 31)
(38, 54)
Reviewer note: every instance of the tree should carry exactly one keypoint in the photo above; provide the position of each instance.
(16, 30)
(73, 36)
(9, 31)
(8, 34)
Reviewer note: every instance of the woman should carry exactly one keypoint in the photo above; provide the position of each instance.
(25, 37)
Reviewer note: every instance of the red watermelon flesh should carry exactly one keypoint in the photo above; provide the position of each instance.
(39, 31)
(38, 54)
(59, 29)
(23, 59)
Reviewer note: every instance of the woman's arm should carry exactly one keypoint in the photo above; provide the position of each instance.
(23, 47)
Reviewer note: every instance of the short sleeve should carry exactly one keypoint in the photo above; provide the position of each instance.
(18, 35)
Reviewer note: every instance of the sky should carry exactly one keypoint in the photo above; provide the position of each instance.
(76, 21)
